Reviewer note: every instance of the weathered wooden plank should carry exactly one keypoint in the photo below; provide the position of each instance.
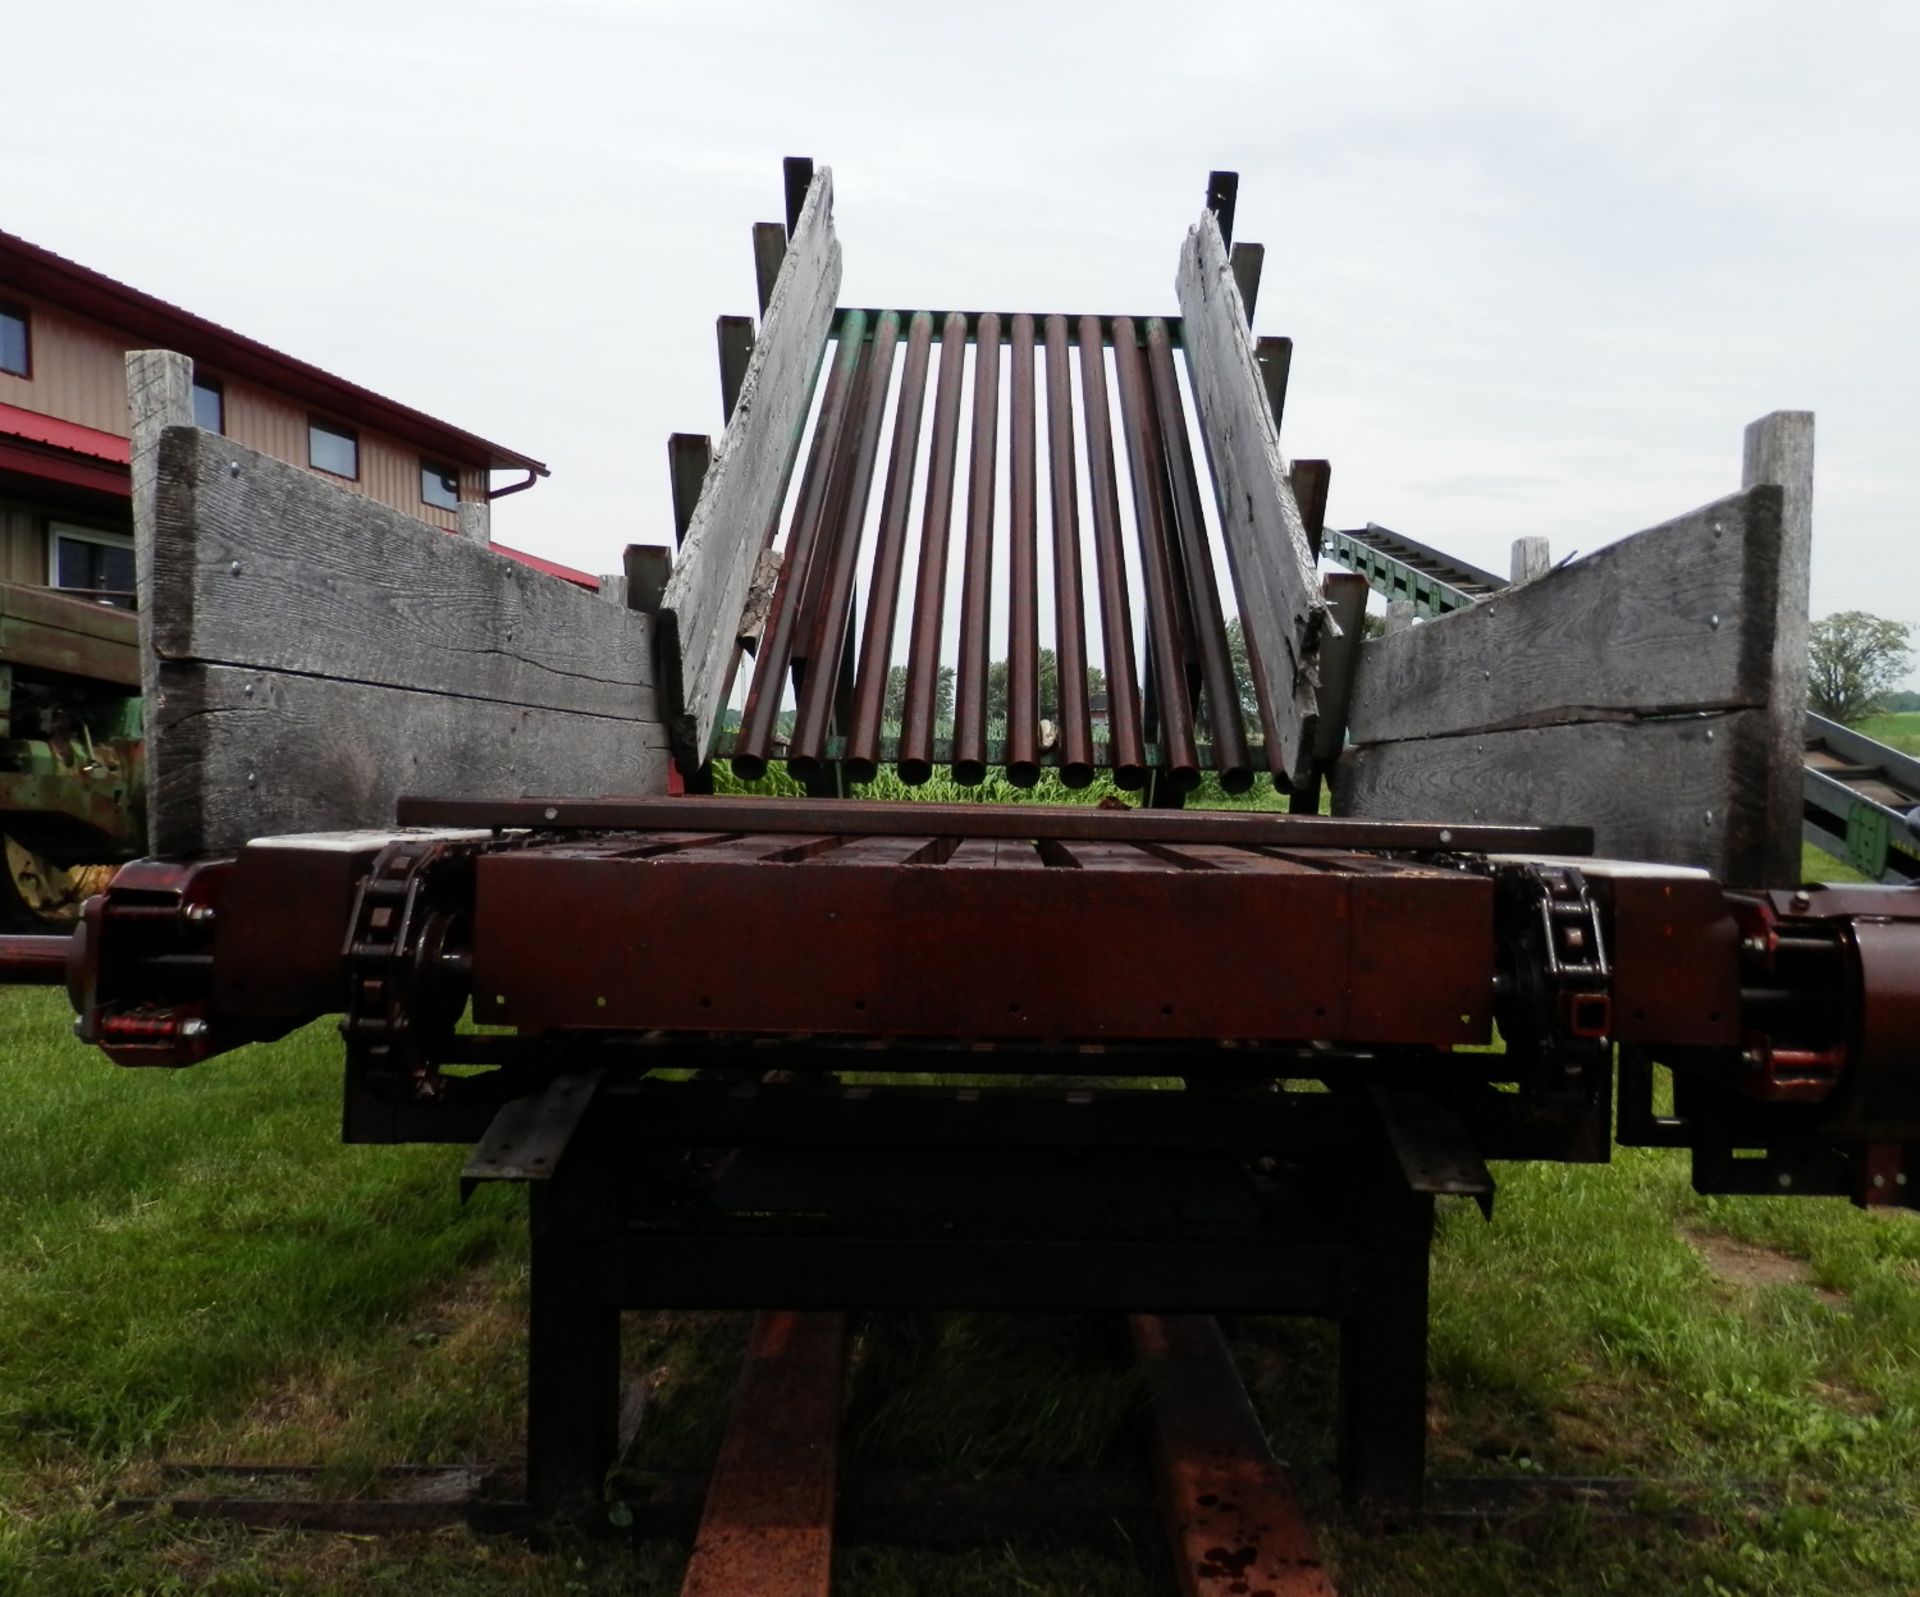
(1679, 618)
(1686, 791)
(700, 615)
(1779, 450)
(1267, 544)
(257, 563)
(236, 754)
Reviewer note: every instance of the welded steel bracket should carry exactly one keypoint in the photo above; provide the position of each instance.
(530, 1136)
(1435, 1150)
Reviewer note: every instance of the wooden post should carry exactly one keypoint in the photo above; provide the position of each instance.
(769, 250)
(1274, 356)
(476, 522)
(734, 334)
(649, 567)
(1311, 480)
(159, 396)
(1779, 450)
(1247, 260)
(689, 457)
(1531, 560)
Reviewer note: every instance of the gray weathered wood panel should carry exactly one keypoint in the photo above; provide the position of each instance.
(1267, 544)
(700, 614)
(1686, 791)
(251, 753)
(258, 563)
(311, 655)
(1673, 619)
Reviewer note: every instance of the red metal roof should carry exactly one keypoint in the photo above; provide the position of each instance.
(34, 428)
(29, 269)
(553, 568)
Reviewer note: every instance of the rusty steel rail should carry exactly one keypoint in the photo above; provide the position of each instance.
(883, 597)
(768, 1523)
(929, 597)
(1229, 1508)
(1070, 649)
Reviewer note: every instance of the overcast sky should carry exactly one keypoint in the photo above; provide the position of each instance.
(1540, 265)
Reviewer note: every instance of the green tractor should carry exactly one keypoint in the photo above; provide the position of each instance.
(72, 771)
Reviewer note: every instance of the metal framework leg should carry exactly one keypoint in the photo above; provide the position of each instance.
(573, 1346)
(1383, 1357)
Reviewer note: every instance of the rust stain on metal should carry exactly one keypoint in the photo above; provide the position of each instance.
(1229, 1507)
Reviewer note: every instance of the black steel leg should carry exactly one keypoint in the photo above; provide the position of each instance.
(1383, 1362)
(573, 1355)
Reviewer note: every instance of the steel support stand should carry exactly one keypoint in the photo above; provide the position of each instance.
(1383, 1353)
(573, 1340)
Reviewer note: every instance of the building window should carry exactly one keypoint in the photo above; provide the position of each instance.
(209, 405)
(333, 449)
(14, 348)
(96, 565)
(439, 486)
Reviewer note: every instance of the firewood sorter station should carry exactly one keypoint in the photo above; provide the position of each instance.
(411, 788)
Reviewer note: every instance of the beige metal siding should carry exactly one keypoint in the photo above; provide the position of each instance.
(80, 375)
(79, 369)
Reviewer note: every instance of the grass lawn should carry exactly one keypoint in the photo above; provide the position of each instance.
(1897, 731)
(192, 1267)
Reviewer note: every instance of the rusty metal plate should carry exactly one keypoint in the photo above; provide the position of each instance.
(1676, 962)
(769, 935)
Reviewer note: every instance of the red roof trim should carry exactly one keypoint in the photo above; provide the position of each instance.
(552, 568)
(30, 270)
(69, 435)
(57, 465)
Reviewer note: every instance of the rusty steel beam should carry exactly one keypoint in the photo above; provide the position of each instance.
(1070, 624)
(976, 573)
(1230, 755)
(1116, 618)
(768, 1523)
(1147, 470)
(862, 758)
(1023, 626)
(31, 960)
(769, 685)
(1231, 1514)
(835, 602)
(930, 590)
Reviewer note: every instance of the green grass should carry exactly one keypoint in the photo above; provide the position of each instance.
(1900, 731)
